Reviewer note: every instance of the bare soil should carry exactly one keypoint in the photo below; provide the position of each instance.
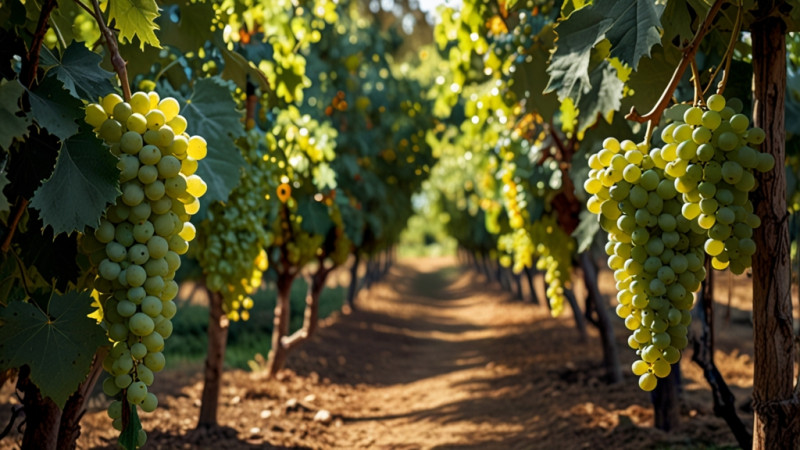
(436, 357)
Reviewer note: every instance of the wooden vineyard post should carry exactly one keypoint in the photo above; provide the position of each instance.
(775, 402)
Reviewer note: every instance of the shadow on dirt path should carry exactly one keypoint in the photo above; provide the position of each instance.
(438, 359)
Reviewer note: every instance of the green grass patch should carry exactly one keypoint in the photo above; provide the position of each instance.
(189, 343)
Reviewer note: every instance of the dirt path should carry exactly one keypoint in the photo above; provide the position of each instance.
(433, 358)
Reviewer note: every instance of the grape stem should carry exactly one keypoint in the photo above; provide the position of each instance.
(113, 48)
(23, 204)
(698, 88)
(728, 54)
(688, 56)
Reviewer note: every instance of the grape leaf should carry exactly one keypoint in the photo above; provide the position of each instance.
(586, 231)
(58, 346)
(631, 27)
(650, 79)
(315, 216)
(129, 438)
(211, 113)
(187, 26)
(84, 181)
(12, 126)
(80, 71)
(605, 98)
(238, 68)
(530, 79)
(55, 109)
(677, 21)
(32, 164)
(135, 18)
(53, 256)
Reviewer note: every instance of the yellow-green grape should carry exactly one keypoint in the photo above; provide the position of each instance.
(135, 279)
(653, 250)
(716, 196)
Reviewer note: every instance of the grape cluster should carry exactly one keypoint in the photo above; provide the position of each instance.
(656, 253)
(521, 38)
(518, 247)
(144, 233)
(233, 237)
(709, 155)
(554, 248)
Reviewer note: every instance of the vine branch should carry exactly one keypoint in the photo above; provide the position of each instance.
(84, 7)
(32, 58)
(113, 49)
(21, 206)
(728, 53)
(688, 56)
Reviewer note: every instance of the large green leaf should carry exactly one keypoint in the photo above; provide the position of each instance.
(315, 216)
(530, 79)
(12, 126)
(677, 21)
(586, 231)
(54, 257)
(135, 18)
(84, 181)
(55, 109)
(58, 345)
(602, 100)
(187, 26)
(649, 81)
(630, 26)
(79, 70)
(211, 113)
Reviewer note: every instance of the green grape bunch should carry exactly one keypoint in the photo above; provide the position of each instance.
(554, 249)
(144, 233)
(709, 153)
(655, 252)
(232, 240)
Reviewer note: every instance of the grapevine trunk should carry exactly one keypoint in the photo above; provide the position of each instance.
(610, 357)
(277, 354)
(42, 416)
(352, 290)
(217, 340)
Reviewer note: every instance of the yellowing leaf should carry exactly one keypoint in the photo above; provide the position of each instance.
(135, 18)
